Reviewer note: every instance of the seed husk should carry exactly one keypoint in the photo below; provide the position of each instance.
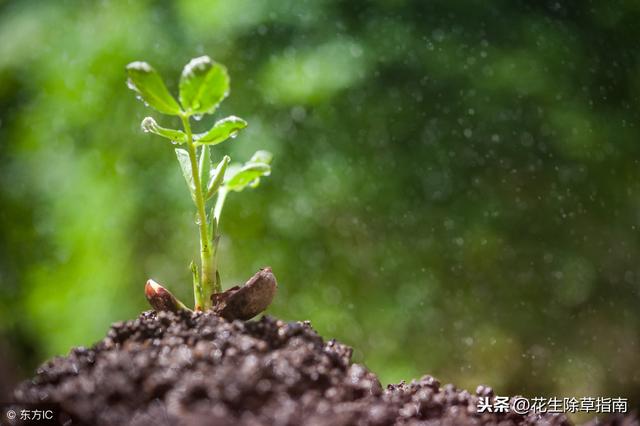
(161, 299)
(246, 301)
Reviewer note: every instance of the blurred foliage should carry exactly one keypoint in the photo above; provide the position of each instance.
(455, 190)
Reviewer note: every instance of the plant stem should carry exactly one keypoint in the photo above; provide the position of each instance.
(207, 256)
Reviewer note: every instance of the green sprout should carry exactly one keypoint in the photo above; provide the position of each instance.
(203, 86)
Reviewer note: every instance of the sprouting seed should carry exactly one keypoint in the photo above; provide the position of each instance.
(203, 86)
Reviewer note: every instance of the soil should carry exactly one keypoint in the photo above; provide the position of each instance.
(197, 368)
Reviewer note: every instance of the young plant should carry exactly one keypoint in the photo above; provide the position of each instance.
(204, 84)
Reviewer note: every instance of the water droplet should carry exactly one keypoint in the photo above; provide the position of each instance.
(197, 117)
(140, 66)
(148, 125)
(233, 135)
(200, 63)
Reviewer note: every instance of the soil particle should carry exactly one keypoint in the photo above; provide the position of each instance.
(197, 368)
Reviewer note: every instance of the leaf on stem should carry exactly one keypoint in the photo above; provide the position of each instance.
(185, 165)
(197, 288)
(149, 125)
(213, 229)
(217, 177)
(221, 131)
(261, 156)
(239, 177)
(203, 85)
(144, 80)
(204, 166)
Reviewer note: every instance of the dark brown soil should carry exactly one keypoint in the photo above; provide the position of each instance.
(193, 369)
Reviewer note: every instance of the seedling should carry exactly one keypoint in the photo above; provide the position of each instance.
(204, 84)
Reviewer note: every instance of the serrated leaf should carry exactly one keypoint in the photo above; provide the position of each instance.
(247, 175)
(185, 166)
(223, 129)
(217, 177)
(203, 85)
(144, 80)
(149, 125)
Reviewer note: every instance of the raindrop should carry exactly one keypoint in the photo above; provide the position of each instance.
(148, 125)
(201, 63)
(141, 99)
(140, 66)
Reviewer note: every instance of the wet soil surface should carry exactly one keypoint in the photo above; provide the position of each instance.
(196, 369)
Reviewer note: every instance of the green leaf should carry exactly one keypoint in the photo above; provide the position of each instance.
(145, 81)
(203, 85)
(185, 165)
(239, 177)
(149, 125)
(217, 177)
(213, 229)
(261, 156)
(204, 166)
(197, 288)
(223, 129)
(248, 176)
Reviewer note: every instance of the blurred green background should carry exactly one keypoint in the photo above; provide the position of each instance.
(455, 190)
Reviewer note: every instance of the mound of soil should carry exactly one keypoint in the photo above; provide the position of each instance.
(197, 368)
